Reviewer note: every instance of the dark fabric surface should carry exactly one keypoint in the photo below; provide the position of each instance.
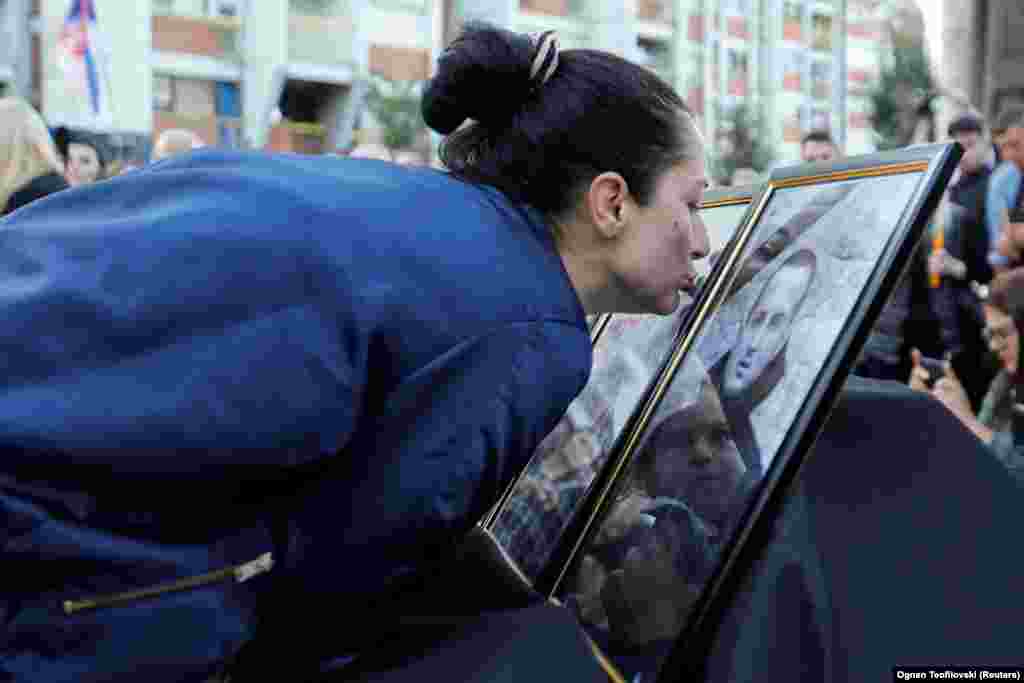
(342, 362)
(37, 188)
(900, 545)
(538, 643)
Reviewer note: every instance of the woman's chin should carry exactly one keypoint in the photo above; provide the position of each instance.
(667, 304)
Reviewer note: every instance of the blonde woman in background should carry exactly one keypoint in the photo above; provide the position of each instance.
(30, 166)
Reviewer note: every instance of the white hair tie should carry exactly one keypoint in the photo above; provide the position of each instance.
(545, 58)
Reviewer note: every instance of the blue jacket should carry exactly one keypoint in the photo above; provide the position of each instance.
(230, 360)
(1003, 190)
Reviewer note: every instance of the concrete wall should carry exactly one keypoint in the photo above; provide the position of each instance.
(265, 50)
(124, 68)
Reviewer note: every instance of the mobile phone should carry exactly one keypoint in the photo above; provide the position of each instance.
(936, 369)
(1016, 214)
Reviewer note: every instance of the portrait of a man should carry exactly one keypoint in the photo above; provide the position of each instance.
(756, 364)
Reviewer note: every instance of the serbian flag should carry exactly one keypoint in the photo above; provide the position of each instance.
(82, 60)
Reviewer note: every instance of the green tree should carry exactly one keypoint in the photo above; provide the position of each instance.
(903, 95)
(744, 143)
(396, 107)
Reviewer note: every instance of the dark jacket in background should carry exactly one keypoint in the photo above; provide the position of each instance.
(966, 236)
(955, 303)
(907, 322)
(36, 188)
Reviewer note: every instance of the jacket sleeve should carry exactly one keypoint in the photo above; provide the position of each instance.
(166, 324)
(447, 443)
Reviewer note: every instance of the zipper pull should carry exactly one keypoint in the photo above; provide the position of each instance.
(240, 573)
(263, 563)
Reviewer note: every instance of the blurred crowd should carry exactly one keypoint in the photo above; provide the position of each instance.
(952, 327)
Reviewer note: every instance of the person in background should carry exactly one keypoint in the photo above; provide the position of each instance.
(907, 322)
(175, 141)
(30, 166)
(1004, 190)
(818, 145)
(962, 263)
(84, 154)
(343, 362)
(994, 422)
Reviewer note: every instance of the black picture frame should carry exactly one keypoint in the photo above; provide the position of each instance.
(932, 165)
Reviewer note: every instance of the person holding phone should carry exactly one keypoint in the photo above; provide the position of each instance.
(333, 366)
(1005, 191)
(962, 263)
(994, 423)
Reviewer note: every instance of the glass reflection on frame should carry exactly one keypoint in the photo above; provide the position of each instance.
(628, 352)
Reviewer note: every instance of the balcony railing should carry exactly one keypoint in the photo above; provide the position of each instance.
(792, 30)
(325, 39)
(196, 34)
(301, 138)
(558, 8)
(659, 11)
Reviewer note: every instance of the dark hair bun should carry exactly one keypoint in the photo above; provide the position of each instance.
(483, 75)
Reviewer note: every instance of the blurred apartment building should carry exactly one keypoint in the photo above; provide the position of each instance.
(983, 61)
(250, 73)
(799, 64)
(291, 74)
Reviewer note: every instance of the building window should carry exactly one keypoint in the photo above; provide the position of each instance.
(792, 20)
(819, 119)
(196, 98)
(792, 67)
(739, 7)
(739, 72)
(821, 80)
(227, 9)
(314, 7)
(211, 108)
(656, 55)
(163, 93)
(716, 65)
(821, 32)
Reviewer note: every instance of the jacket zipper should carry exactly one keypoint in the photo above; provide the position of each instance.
(239, 572)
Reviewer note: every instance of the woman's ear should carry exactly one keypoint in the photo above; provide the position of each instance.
(607, 204)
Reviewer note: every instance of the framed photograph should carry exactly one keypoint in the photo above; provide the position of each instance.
(682, 505)
(629, 350)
